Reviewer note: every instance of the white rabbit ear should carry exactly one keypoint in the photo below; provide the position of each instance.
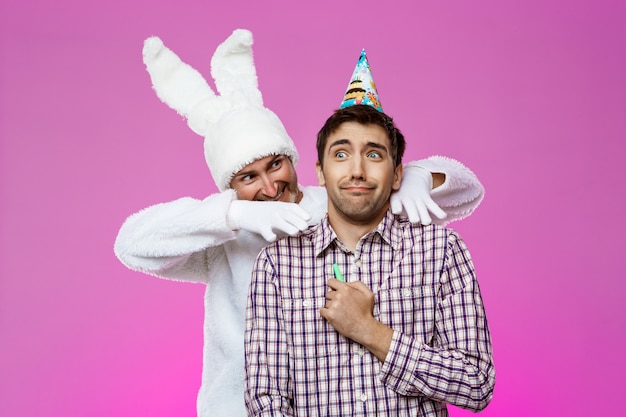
(232, 68)
(179, 85)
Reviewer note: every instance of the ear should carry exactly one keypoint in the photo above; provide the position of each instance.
(397, 178)
(320, 174)
(179, 85)
(232, 68)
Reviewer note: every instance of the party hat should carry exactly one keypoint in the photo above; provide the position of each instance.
(362, 89)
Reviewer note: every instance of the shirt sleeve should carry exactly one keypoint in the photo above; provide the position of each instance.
(458, 367)
(177, 239)
(460, 194)
(267, 383)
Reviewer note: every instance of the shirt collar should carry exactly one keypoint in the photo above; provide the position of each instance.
(391, 229)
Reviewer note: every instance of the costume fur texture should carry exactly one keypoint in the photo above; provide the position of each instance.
(229, 120)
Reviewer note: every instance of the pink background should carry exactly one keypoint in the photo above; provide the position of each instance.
(529, 94)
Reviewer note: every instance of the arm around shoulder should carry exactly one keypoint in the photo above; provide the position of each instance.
(164, 238)
(461, 192)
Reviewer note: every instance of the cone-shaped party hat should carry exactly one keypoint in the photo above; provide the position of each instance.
(362, 89)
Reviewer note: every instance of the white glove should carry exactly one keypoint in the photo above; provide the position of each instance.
(267, 218)
(413, 198)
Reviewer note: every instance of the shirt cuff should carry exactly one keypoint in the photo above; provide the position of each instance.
(398, 370)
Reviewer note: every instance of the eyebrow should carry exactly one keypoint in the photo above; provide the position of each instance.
(255, 171)
(338, 142)
(276, 158)
(244, 174)
(369, 144)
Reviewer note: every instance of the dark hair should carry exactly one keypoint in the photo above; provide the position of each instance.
(365, 115)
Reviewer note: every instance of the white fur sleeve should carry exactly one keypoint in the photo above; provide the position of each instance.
(176, 239)
(460, 194)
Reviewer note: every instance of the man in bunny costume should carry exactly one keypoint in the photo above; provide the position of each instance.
(216, 240)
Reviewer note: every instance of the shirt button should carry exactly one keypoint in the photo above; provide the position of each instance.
(361, 351)
(406, 292)
(363, 397)
(357, 263)
(306, 303)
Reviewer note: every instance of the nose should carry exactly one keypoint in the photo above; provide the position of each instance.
(358, 171)
(269, 186)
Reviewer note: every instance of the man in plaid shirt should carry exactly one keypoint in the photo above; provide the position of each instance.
(401, 329)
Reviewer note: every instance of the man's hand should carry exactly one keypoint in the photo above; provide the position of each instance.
(267, 218)
(349, 309)
(413, 198)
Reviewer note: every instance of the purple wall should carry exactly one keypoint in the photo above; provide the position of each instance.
(530, 95)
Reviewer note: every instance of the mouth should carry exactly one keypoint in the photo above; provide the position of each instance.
(285, 195)
(357, 189)
(277, 196)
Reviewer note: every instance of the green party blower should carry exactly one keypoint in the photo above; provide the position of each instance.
(338, 274)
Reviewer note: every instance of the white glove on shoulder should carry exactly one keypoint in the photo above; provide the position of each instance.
(413, 199)
(267, 218)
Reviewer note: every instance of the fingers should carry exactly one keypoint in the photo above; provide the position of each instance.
(269, 235)
(284, 227)
(357, 285)
(436, 210)
(413, 212)
(424, 217)
(289, 226)
(335, 284)
(416, 210)
(419, 212)
(290, 219)
(302, 213)
(296, 221)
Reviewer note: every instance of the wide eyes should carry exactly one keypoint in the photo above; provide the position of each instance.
(371, 155)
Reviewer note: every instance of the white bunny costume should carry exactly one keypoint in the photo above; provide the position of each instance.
(237, 128)
(191, 240)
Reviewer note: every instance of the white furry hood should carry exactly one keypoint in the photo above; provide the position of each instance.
(236, 127)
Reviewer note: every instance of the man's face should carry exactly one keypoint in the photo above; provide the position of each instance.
(358, 172)
(272, 178)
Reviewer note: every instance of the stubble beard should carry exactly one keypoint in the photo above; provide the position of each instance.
(360, 208)
(286, 194)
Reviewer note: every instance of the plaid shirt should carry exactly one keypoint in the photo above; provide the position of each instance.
(425, 290)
